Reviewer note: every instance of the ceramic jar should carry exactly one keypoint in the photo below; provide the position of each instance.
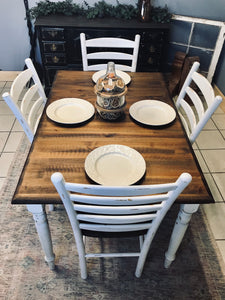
(110, 90)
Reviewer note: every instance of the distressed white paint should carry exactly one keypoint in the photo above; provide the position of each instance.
(180, 227)
(119, 212)
(41, 223)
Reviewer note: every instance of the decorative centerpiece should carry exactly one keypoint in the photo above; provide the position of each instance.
(110, 90)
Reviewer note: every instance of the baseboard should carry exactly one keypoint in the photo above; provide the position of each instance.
(218, 92)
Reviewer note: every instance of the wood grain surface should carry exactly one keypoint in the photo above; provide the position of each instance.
(166, 150)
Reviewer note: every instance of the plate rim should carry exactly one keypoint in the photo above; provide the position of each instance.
(132, 114)
(70, 100)
(101, 71)
(89, 158)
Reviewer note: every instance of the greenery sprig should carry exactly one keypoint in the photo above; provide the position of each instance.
(99, 10)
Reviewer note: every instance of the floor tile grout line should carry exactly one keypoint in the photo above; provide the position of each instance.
(218, 189)
(211, 149)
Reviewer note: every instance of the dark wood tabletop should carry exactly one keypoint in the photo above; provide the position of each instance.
(166, 149)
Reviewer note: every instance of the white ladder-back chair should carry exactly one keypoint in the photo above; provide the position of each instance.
(109, 42)
(28, 113)
(108, 209)
(195, 114)
(33, 100)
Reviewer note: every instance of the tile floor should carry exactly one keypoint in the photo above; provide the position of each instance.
(209, 149)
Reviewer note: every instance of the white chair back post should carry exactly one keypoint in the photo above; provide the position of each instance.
(33, 99)
(96, 208)
(36, 78)
(195, 114)
(109, 42)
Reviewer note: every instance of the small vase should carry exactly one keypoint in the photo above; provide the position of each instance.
(144, 10)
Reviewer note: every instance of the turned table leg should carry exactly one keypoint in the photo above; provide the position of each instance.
(41, 223)
(182, 222)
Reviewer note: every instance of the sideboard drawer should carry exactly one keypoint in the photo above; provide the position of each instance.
(54, 46)
(52, 33)
(55, 59)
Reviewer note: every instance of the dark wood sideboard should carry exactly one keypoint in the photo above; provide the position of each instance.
(59, 41)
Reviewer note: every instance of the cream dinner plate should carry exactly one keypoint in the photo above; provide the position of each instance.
(152, 112)
(126, 77)
(115, 165)
(70, 111)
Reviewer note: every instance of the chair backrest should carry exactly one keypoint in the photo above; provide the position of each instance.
(196, 102)
(101, 54)
(27, 111)
(36, 78)
(126, 209)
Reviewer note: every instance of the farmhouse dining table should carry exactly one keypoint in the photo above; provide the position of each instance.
(56, 148)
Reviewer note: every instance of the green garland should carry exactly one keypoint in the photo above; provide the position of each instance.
(100, 10)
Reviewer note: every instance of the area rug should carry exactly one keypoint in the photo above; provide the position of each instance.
(197, 272)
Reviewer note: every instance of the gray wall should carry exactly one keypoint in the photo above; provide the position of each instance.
(14, 42)
(208, 9)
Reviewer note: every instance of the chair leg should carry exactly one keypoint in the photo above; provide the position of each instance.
(143, 254)
(83, 267)
(41, 223)
(82, 256)
(180, 227)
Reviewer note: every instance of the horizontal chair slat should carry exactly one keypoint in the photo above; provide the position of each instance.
(101, 200)
(26, 101)
(110, 55)
(119, 190)
(115, 228)
(104, 66)
(121, 254)
(117, 210)
(106, 219)
(107, 42)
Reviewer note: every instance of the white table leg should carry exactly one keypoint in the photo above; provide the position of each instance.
(41, 223)
(182, 222)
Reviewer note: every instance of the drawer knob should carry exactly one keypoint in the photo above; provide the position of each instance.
(55, 59)
(53, 47)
